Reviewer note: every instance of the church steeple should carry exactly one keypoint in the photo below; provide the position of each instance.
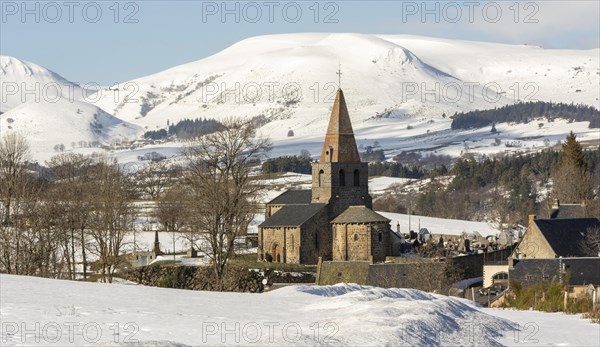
(339, 145)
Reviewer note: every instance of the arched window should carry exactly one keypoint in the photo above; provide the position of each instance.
(356, 178)
(501, 276)
(321, 173)
(355, 237)
(342, 178)
(380, 236)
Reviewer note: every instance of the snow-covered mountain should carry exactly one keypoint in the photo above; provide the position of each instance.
(49, 111)
(73, 124)
(384, 78)
(397, 87)
(22, 81)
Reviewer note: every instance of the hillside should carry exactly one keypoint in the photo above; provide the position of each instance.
(19, 76)
(73, 124)
(377, 78)
(345, 314)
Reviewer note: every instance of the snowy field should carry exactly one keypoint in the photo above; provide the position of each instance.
(36, 311)
(437, 226)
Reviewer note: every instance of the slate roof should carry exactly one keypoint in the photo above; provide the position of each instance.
(293, 197)
(568, 211)
(292, 215)
(565, 235)
(583, 270)
(359, 214)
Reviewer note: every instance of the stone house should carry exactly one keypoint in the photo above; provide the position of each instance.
(300, 225)
(553, 238)
(544, 239)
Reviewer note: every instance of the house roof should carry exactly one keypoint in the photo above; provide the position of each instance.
(292, 215)
(565, 235)
(583, 270)
(293, 197)
(359, 214)
(568, 211)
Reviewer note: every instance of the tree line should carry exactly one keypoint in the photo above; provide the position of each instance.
(301, 164)
(509, 188)
(185, 129)
(526, 112)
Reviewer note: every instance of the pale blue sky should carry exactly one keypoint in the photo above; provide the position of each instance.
(163, 34)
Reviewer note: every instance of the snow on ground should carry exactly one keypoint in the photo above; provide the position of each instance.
(36, 311)
(547, 329)
(438, 226)
(381, 184)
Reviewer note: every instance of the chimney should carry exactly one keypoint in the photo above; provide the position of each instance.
(532, 218)
(556, 204)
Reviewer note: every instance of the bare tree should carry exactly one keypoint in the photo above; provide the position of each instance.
(111, 217)
(14, 155)
(71, 201)
(173, 211)
(19, 232)
(224, 193)
(154, 177)
(590, 244)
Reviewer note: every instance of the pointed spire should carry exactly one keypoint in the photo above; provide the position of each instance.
(340, 145)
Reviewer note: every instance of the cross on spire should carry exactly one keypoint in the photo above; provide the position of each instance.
(339, 73)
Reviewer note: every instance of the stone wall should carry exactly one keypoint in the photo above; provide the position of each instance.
(361, 241)
(271, 209)
(380, 241)
(351, 242)
(282, 240)
(534, 245)
(428, 276)
(327, 189)
(420, 273)
(316, 239)
(332, 272)
(472, 265)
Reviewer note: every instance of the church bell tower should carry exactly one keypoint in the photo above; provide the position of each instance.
(340, 179)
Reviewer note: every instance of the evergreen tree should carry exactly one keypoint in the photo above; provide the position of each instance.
(572, 181)
(572, 153)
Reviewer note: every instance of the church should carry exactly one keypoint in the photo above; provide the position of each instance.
(334, 220)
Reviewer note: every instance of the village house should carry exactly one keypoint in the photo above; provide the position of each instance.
(333, 220)
(549, 250)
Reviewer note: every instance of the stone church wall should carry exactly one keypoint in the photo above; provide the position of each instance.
(316, 239)
(380, 249)
(362, 242)
(274, 241)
